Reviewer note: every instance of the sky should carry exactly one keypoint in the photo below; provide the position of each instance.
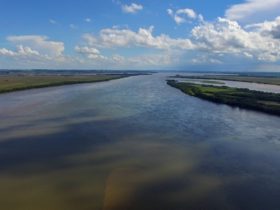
(194, 35)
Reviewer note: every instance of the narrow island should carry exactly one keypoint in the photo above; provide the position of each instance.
(243, 98)
(22, 80)
(270, 80)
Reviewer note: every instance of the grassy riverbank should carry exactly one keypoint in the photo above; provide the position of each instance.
(238, 78)
(23, 82)
(244, 98)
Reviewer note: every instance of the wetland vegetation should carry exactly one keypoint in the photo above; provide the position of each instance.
(9, 83)
(243, 98)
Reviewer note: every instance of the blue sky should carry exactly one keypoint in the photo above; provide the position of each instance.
(231, 35)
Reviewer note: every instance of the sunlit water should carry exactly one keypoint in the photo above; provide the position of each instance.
(134, 143)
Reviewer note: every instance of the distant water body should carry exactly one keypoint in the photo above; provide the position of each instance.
(134, 143)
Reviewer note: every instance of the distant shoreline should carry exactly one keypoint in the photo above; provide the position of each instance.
(18, 83)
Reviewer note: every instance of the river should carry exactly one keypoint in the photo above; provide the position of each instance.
(134, 143)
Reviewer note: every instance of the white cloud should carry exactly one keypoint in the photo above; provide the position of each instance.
(34, 51)
(211, 41)
(167, 49)
(21, 52)
(115, 38)
(87, 50)
(182, 15)
(40, 44)
(27, 51)
(228, 37)
(253, 9)
(188, 12)
(132, 8)
(214, 43)
(267, 28)
(90, 52)
(6, 52)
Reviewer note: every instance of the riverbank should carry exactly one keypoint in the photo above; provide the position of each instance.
(12, 83)
(243, 98)
(236, 78)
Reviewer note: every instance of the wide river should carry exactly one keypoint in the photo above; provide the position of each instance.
(134, 144)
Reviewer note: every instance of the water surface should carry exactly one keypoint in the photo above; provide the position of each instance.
(134, 143)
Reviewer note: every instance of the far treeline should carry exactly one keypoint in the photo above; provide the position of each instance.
(243, 98)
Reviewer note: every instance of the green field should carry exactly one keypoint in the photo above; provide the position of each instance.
(238, 78)
(17, 82)
(244, 98)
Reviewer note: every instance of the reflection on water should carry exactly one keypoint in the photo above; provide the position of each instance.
(134, 143)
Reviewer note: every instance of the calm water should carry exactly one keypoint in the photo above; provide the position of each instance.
(134, 143)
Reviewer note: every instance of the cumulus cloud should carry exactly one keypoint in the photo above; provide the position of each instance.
(251, 8)
(132, 8)
(40, 44)
(34, 51)
(182, 15)
(87, 50)
(228, 37)
(114, 37)
(211, 40)
(167, 50)
(90, 52)
(6, 52)
(27, 51)
(267, 28)
(22, 52)
(214, 43)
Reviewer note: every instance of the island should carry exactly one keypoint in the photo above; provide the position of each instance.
(251, 78)
(243, 98)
